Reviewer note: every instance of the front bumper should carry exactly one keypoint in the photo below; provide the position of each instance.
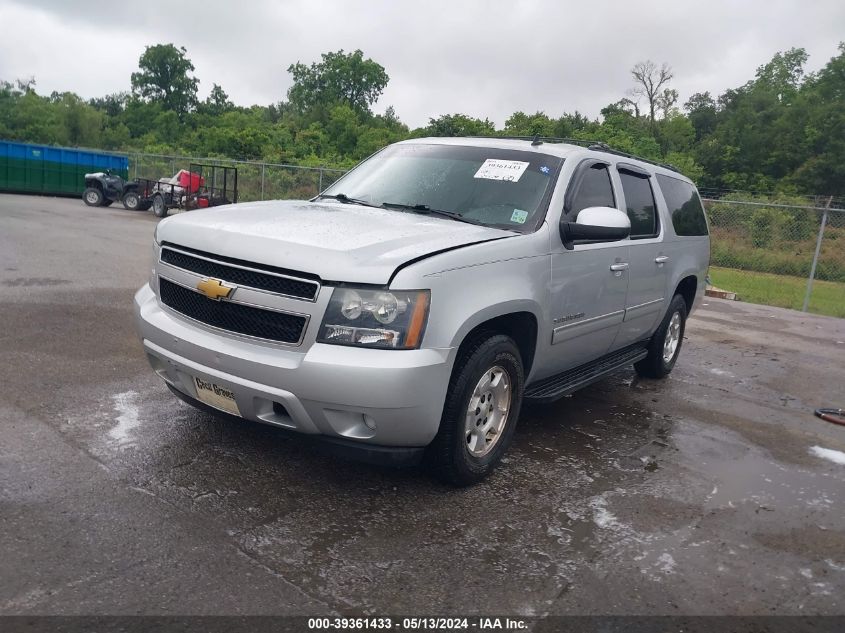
(377, 399)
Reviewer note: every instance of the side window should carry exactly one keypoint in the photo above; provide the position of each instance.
(684, 205)
(593, 190)
(641, 208)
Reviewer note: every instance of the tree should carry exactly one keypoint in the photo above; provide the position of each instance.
(650, 80)
(340, 78)
(164, 77)
(666, 100)
(83, 123)
(784, 73)
(458, 125)
(112, 104)
(521, 124)
(701, 111)
(217, 102)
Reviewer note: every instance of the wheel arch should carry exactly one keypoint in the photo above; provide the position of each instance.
(687, 287)
(519, 322)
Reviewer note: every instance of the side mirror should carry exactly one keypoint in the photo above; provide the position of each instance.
(596, 224)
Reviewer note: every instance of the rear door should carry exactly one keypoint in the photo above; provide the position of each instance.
(648, 262)
(590, 281)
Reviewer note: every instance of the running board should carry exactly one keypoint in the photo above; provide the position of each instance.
(563, 384)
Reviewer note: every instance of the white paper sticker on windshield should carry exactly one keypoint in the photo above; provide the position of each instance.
(507, 170)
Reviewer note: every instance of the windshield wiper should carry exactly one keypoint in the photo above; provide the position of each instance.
(427, 210)
(342, 197)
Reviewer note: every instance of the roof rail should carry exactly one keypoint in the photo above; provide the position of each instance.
(604, 147)
(537, 140)
(596, 146)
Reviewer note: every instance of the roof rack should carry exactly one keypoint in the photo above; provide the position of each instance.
(539, 140)
(596, 146)
(604, 147)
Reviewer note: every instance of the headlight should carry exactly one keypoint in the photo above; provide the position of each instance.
(375, 318)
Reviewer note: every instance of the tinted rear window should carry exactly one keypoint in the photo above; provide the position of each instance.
(684, 205)
(639, 200)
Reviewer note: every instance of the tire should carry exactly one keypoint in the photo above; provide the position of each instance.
(661, 357)
(457, 455)
(92, 196)
(159, 206)
(131, 201)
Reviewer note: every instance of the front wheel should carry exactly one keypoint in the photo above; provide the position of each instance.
(93, 197)
(159, 206)
(665, 345)
(480, 412)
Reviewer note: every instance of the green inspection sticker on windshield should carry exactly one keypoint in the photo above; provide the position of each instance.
(519, 216)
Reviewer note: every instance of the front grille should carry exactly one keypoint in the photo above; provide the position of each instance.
(278, 283)
(234, 317)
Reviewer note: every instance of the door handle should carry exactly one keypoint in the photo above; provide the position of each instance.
(662, 259)
(618, 267)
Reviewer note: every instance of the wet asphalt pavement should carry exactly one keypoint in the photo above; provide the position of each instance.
(701, 494)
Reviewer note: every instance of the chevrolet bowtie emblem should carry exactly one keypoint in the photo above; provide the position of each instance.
(215, 289)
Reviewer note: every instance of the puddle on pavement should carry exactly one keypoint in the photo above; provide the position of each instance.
(746, 474)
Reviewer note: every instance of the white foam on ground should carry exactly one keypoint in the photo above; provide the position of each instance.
(127, 416)
(837, 457)
(666, 563)
(602, 517)
(721, 372)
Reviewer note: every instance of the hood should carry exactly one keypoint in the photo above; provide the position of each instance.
(338, 242)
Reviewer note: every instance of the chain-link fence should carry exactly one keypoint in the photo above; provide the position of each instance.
(786, 251)
(256, 181)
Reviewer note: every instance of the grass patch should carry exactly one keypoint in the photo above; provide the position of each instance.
(828, 297)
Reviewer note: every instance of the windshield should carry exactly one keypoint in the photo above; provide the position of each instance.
(502, 188)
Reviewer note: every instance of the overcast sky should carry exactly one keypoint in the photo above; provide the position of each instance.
(485, 59)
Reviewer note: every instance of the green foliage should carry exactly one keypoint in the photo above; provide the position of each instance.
(163, 77)
(521, 124)
(763, 223)
(216, 103)
(457, 125)
(340, 78)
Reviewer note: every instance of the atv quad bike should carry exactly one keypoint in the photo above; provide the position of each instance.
(102, 189)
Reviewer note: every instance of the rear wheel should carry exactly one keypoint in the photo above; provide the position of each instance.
(93, 197)
(159, 206)
(665, 345)
(480, 412)
(131, 201)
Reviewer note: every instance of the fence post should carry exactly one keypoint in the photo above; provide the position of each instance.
(262, 180)
(816, 256)
(320, 186)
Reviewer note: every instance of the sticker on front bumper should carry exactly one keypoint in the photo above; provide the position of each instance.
(216, 396)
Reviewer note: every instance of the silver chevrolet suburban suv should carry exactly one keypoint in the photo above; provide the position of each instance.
(407, 311)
